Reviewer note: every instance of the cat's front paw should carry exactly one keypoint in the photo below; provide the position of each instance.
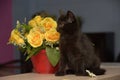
(80, 74)
(59, 74)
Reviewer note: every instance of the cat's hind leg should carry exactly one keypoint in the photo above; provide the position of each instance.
(98, 71)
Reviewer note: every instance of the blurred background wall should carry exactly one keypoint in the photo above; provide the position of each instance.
(98, 16)
(6, 52)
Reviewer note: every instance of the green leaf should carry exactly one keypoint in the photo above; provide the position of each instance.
(33, 51)
(53, 55)
(29, 56)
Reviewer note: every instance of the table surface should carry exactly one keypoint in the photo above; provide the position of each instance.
(112, 73)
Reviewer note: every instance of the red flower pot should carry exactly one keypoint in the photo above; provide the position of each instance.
(41, 63)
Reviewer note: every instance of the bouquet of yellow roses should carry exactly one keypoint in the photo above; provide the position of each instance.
(40, 33)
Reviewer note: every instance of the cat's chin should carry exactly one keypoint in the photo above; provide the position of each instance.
(70, 71)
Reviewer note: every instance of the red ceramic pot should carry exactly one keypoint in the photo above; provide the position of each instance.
(41, 63)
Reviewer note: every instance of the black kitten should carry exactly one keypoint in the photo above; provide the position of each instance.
(77, 51)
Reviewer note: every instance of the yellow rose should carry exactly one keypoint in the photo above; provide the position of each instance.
(38, 20)
(32, 23)
(35, 38)
(48, 23)
(52, 35)
(15, 38)
(39, 30)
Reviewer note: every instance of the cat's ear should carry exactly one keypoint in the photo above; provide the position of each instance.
(70, 17)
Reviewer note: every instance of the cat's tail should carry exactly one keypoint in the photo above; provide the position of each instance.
(98, 71)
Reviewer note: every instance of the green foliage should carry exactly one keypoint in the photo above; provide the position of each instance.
(53, 55)
(33, 51)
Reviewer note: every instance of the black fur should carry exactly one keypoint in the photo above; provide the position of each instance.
(77, 51)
